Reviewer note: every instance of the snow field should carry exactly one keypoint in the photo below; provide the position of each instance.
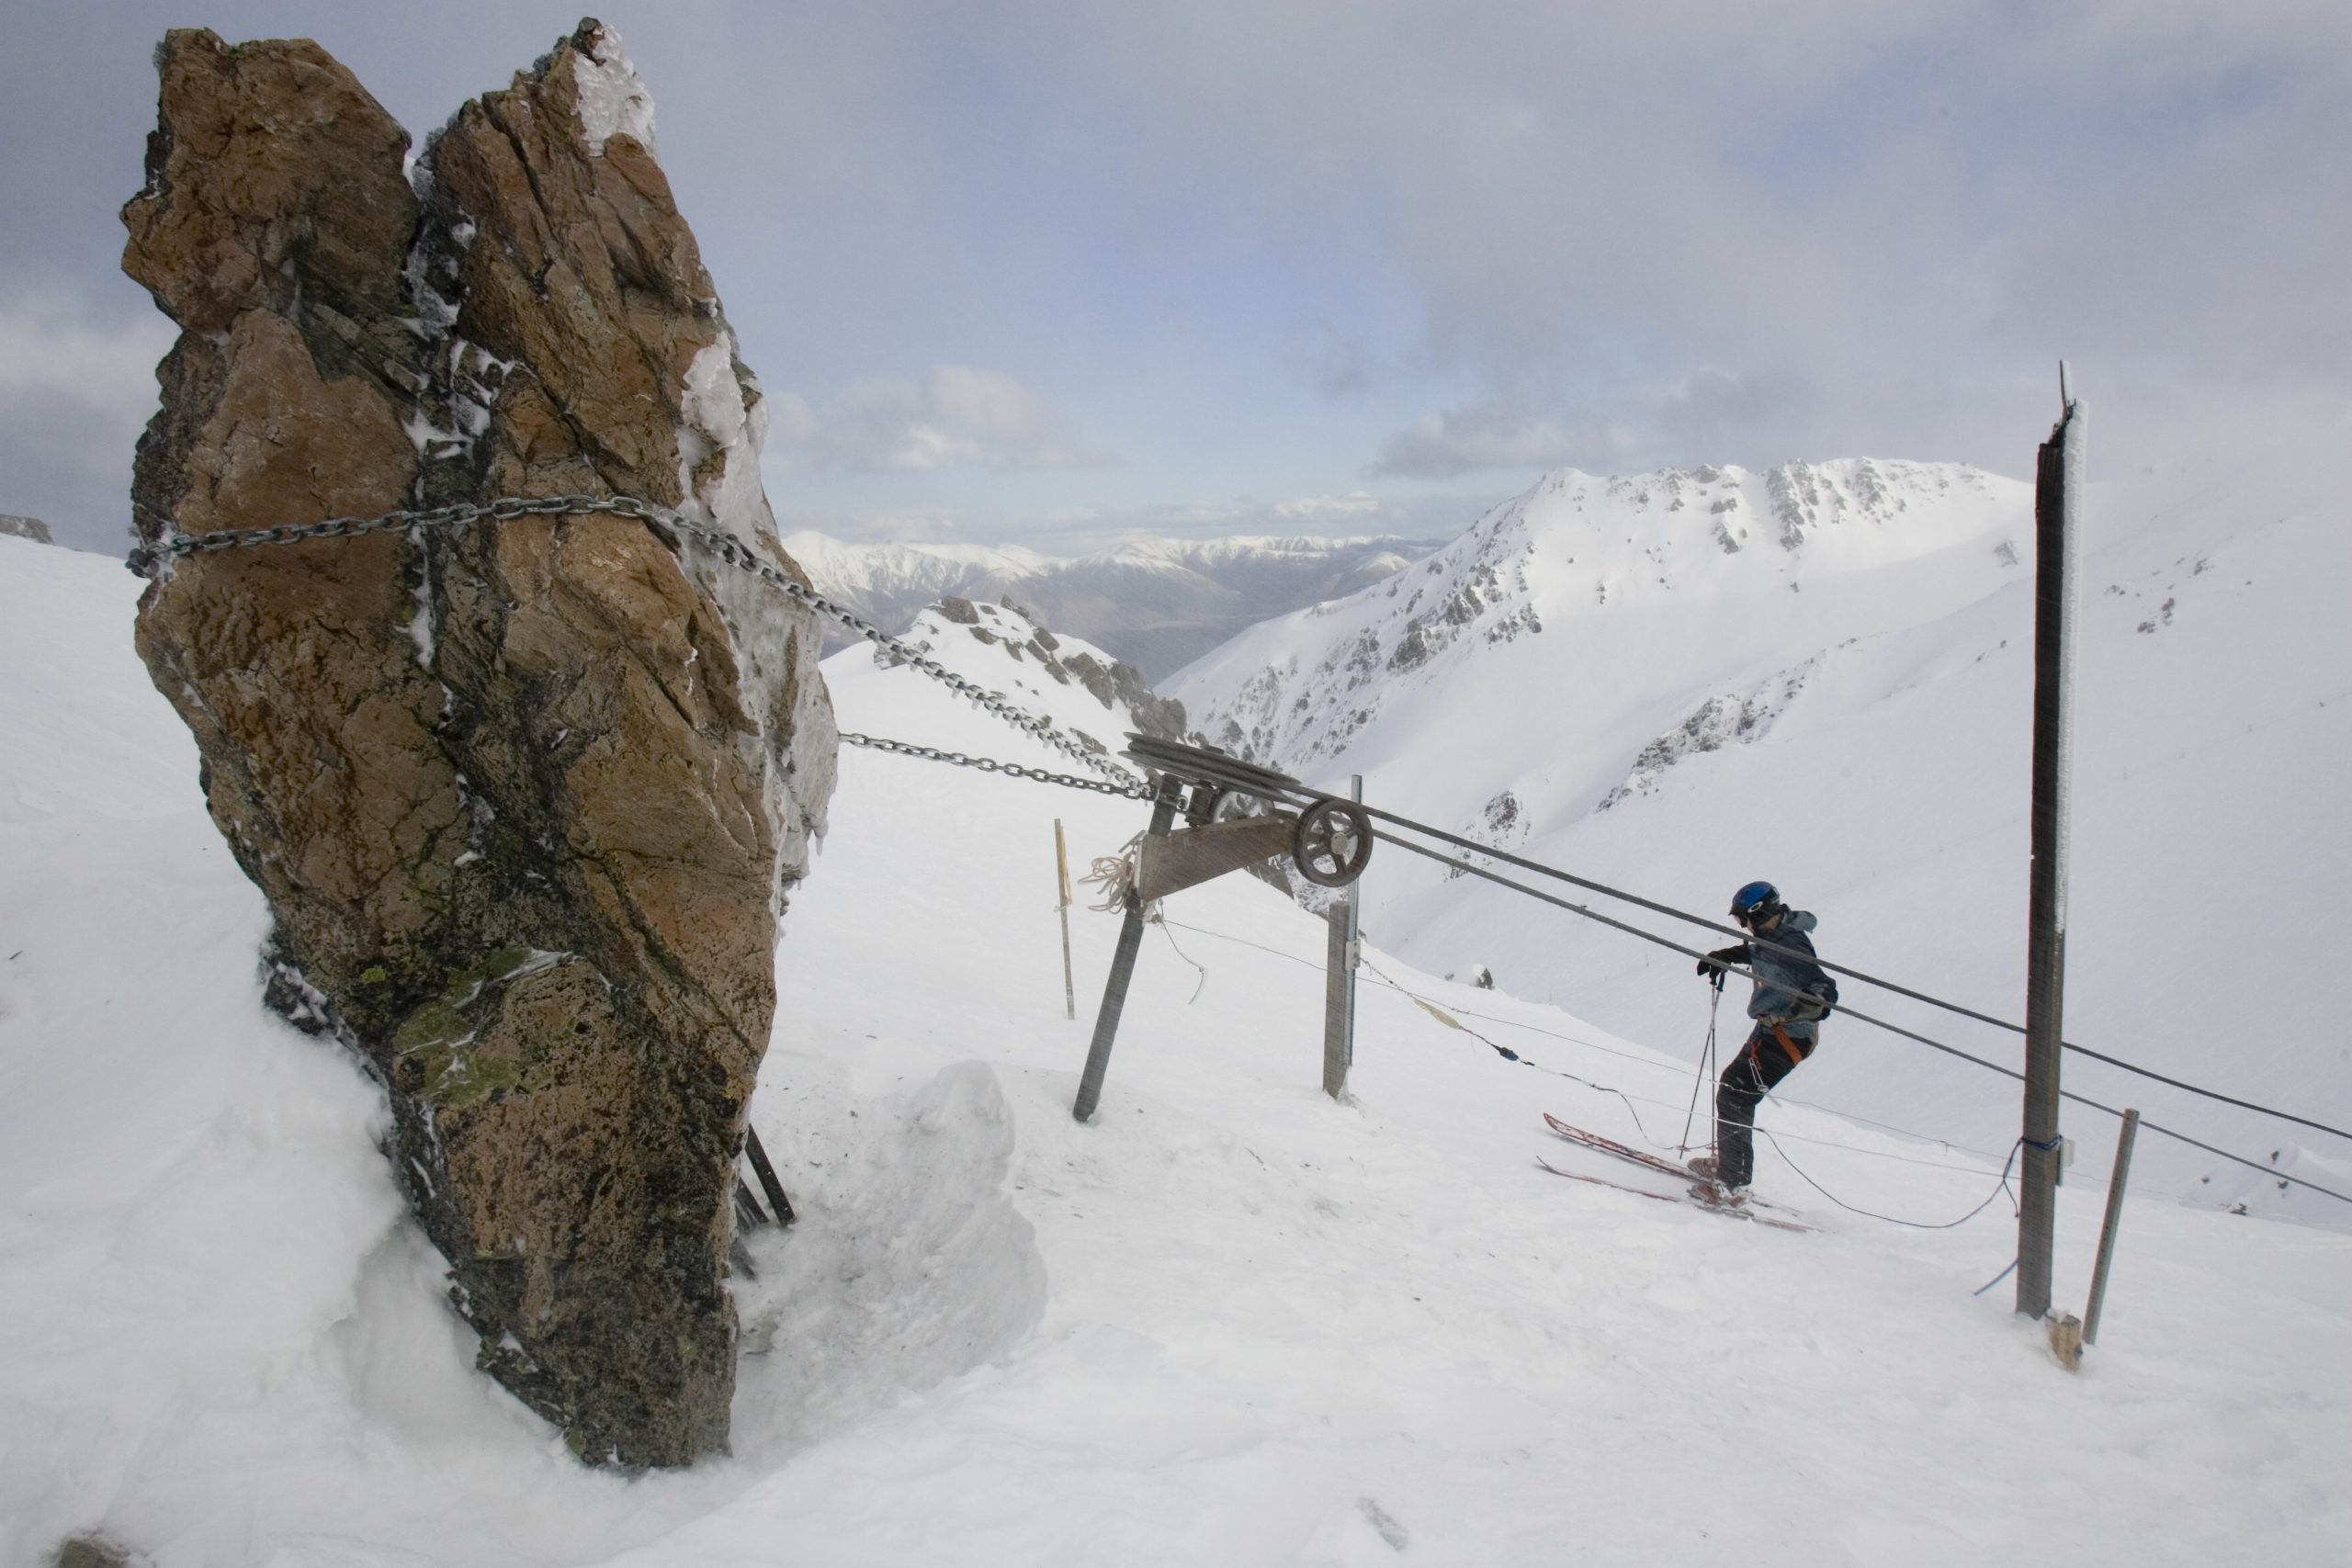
(1229, 1323)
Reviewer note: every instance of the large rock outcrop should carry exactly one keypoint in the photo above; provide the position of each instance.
(526, 799)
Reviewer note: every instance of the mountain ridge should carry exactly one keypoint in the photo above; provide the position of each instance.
(1157, 604)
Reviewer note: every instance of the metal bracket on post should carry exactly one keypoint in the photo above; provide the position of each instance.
(1166, 787)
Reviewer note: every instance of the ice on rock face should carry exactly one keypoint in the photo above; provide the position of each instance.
(612, 101)
(722, 417)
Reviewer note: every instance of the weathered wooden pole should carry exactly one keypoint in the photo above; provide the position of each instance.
(2057, 488)
(1061, 875)
(2123, 1142)
(1340, 980)
(1123, 960)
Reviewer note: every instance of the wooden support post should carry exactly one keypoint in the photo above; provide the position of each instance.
(2058, 480)
(2123, 1142)
(1123, 963)
(1339, 981)
(1061, 875)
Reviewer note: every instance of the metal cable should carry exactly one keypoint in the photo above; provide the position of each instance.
(2270, 1171)
(1384, 983)
(1998, 1188)
(1868, 979)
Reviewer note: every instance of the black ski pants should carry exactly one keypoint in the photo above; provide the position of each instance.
(1767, 1058)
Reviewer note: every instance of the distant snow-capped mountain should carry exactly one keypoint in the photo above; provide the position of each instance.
(1157, 604)
(1604, 564)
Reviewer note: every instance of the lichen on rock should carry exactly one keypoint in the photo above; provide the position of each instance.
(527, 801)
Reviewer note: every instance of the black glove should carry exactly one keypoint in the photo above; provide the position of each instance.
(1713, 962)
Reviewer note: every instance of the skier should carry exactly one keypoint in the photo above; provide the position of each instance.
(1792, 995)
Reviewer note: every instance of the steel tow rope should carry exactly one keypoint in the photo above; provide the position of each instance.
(153, 561)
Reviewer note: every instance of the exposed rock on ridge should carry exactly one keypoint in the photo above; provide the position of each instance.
(526, 801)
(1019, 633)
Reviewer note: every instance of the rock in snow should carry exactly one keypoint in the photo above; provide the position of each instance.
(526, 801)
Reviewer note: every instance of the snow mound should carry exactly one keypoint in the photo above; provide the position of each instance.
(909, 1262)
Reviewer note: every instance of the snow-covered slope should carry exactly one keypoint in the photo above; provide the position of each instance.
(1681, 681)
(1614, 570)
(1157, 604)
(1230, 1322)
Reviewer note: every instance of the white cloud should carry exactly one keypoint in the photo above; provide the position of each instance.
(1081, 530)
(955, 416)
(75, 388)
(1493, 433)
(1891, 222)
(1354, 503)
(51, 347)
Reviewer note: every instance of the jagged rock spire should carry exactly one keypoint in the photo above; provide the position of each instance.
(524, 802)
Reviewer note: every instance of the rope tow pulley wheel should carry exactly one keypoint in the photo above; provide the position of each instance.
(1331, 842)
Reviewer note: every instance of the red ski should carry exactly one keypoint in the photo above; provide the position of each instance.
(1700, 1188)
(1690, 1199)
(1658, 1163)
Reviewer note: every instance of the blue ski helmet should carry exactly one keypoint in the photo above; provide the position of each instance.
(1753, 901)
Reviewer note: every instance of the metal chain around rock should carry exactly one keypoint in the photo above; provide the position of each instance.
(991, 765)
(152, 560)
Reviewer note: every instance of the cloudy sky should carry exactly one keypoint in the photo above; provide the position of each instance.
(1052, 271)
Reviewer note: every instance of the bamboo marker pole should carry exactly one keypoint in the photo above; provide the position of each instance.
(1061, 873)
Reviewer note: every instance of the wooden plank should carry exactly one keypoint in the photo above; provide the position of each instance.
(1178, 861)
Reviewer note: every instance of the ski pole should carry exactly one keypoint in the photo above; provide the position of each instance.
(1706, 1058)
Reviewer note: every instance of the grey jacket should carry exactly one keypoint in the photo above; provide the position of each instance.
(1782, 983)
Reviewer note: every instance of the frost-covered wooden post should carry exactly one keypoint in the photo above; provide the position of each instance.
(1165, 789)
(2057, 488)
(1340, 980)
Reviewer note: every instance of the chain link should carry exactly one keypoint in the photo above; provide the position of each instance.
(991, 765)
(153, 560)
